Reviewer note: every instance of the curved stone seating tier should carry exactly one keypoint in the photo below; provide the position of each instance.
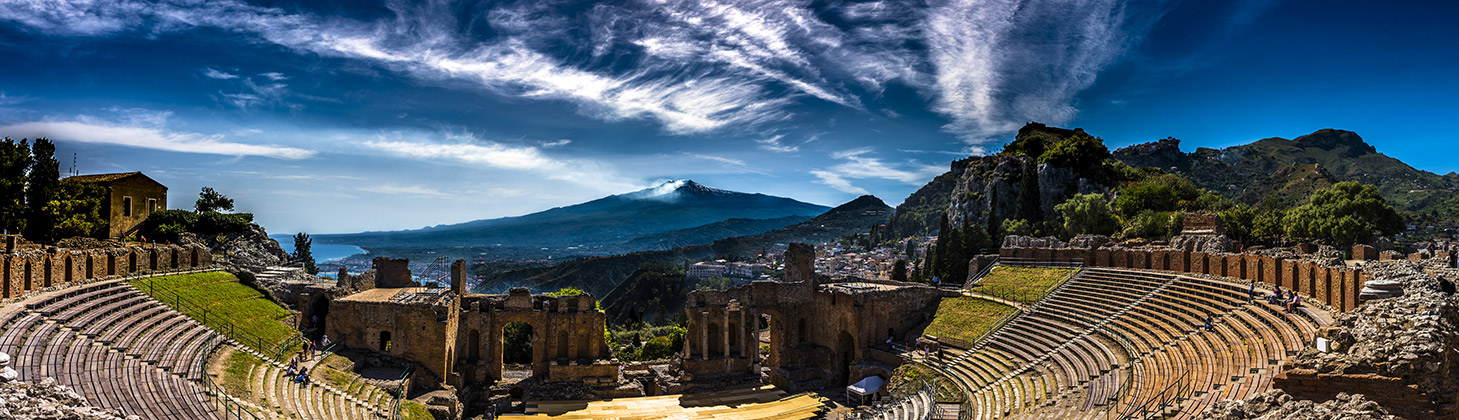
(1109, 340)
(278, 397)
(73, 336)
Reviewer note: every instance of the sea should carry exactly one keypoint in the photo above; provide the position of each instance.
(322, 252)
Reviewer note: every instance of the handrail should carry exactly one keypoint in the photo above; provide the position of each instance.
(227, 328)
(919, 388)
(1034, 262)
(400, 395)
(1180, 386)
(227, 404)
(980, 274)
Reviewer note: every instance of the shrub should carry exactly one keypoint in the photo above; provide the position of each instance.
(657, 348)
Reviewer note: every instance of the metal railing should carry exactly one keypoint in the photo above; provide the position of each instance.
(225, 404)
(923, 389)
(1035, 262)
(981, 273)
(209, 319)
(400, 394)
(1156, 404)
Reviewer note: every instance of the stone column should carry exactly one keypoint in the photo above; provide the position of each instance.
(726, 333)
(704, 335)
(689, 318)
(745, 343)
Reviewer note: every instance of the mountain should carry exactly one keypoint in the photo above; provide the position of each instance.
(615, 219)
(600, 275)
(1281, 172)
(710, 233)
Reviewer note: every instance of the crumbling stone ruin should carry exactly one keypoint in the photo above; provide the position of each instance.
(47, 400)
(1276, 404)
(1397, 351)
(821, 331)
(29, 270)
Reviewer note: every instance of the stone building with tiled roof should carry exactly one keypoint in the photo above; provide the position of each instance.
(130, 198)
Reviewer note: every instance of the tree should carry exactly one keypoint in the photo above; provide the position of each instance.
(1017, 227)
(1240, 222)
(1268, 224)
(1161, 194)
(1346, 213)
(1087, 214)
(899, 270)
(210, 200)
(15, 162)
(77, 210)
(42, 185)
(1079, 150)
(303, 252)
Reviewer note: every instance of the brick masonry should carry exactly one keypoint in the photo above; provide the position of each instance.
(1401, 399)
(1337, 287)
(25, 272)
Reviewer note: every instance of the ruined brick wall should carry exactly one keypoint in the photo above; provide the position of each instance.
(29, 270)
(567, 336)
(414, 332)
(392, 272)
(1336, 286)
(1405, 400)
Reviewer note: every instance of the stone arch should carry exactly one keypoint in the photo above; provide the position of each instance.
(318, 317)
(70, 269)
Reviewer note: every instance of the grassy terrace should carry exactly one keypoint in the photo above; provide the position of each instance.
(227, 302)
(1021, 284)
(966, 318)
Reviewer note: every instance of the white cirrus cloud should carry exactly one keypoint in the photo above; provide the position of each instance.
(860, 163)
(556, 143)
(213, 73)
(835, 180)
(93, 130)
(773, 144)
(416, 190)
(494, 155)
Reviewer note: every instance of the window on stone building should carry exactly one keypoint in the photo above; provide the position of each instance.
(126, 206)
(151, 205)
(385, 341)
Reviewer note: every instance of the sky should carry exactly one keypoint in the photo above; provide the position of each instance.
(333, 117)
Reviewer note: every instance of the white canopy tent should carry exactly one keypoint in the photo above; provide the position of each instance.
(867, 387)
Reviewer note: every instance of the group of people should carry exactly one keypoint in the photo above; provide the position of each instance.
(1287, 298)
(311, 346)
(300, 375)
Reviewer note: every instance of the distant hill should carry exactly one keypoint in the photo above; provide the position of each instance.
(654, 292)
(599, 275)
(711, 232)
(1281, 172)
(611, 220)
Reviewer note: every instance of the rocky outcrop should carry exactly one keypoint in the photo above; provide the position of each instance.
(1006, 186)
(49, 401)
(1015, 241)
(250, 249)
(1276, 404)
(1410, 337)
(1201, 243)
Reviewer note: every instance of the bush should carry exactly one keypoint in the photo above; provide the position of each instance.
(167, 224)
(1087, 214)
(1152, 224)
(656, 349)
(1077, 151)
(1346, 213)
(212, 223)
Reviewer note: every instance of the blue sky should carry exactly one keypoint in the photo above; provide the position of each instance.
(325, 117)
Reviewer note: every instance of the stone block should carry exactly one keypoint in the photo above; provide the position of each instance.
(1102, 257)
(1216, 264)
(6, 291)
(1120, 258)
(56, 270)
(1305, 276)
(1235, 266)
(35, 273)
(160, 258)
(1288, 274)
(1271, 270)
(1198, 262)
(1139, 259)
(1005, 252)
(1306, 248)
(202, 256)
(1253, 268)
(1365, 252)
(1178, 260)
(76, 266)
(1043, 255)
(1322, 284)
(1157, 260)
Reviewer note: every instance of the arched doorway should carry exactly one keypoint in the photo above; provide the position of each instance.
(473, 346)
(318, 317)
(517, 349)
(845, 350)
(385, 341)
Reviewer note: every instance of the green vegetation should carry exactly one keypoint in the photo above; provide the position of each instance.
(948, 259)
(654, 293)
(210, 200)
(1344, 214)
(517, 343)
(947, 391)
(42, 185)
(237, 374)
(166, 224)
(1087, 214)
(226, 301)
(966, 318)
(1022, 284)
(646, 342)
(411, 410)
(15, 161)
(303, 252)
(77, 210)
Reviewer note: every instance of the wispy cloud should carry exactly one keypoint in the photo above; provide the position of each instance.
(416, 190)
(773, 144)
(834, 180)
(557, 143)
(496, 155)
(213, 73)
(861, 164)
(92, 130)
(720, 159)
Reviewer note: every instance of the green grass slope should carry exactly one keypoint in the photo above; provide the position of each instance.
(230, 306)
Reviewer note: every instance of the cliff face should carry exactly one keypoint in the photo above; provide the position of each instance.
(1004, 186)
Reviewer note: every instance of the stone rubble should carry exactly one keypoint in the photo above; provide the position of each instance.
(1201, 243)
(49, 401)
(1403, 337)
(1015, 241)
(1277, 405)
